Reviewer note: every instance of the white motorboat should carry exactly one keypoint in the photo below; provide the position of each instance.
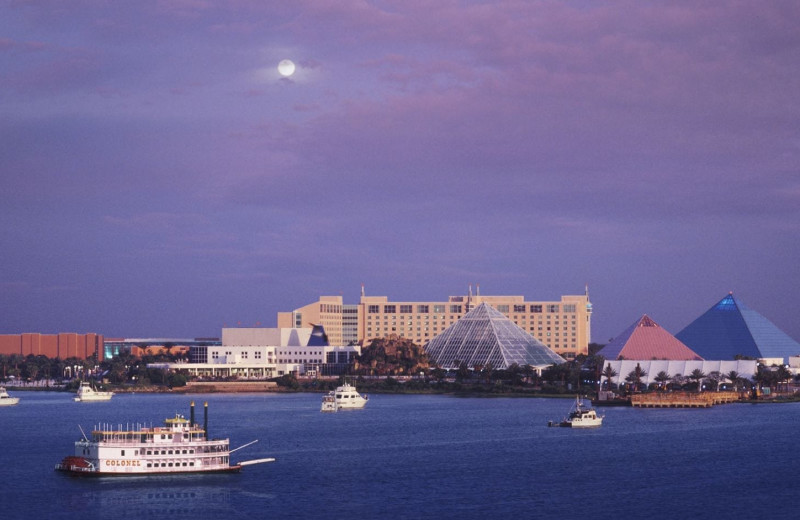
(86, 393)
(580, 417)
(345, 397)
(180, 446)
(5, 399)
(328, 403)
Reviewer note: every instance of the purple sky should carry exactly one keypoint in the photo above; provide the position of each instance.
(160, 178)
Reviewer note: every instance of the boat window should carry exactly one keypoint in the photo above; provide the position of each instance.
(149, 465)
(122, 453)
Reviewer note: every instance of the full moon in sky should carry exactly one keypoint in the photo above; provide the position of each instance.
(286, 68)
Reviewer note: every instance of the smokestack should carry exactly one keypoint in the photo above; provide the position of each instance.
(205, 419)
(191, 414)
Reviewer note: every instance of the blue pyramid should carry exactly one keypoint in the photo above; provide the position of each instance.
(730, 328)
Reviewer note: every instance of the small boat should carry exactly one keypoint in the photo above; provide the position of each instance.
(345, 397)
(328, 403)
(5, 399)
(87, 393)
(579, 417)
(180, 446)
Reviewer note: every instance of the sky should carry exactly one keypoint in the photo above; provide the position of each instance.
(161, 178)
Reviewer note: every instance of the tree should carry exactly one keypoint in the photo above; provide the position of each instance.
(463, 372)
(698, 375)
(715, 377)
(765, 377)
(662, 378)
(635, 377)
(487, 372)
(609, 373)
(733, 377)
(782, 375)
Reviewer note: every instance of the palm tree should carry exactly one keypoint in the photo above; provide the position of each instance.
(635, 377)
(782, 375)
(698, 376)
(608, 373)
(662, 378)
(733, 377)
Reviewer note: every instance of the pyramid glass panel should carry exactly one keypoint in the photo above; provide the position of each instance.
(486, 336)
(730, 328)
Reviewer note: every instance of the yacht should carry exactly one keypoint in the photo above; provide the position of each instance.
(580, 417)
(87, 393)
(5, 399)
(345, 397)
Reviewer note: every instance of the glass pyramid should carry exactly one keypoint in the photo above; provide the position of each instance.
(730, 328)
(485, 335)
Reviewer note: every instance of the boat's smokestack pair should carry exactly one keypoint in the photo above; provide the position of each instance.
(205, 417)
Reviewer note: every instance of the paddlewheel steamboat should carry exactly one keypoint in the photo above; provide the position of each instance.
(179, 446)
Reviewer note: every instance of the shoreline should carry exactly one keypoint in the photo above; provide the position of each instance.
(271, 387)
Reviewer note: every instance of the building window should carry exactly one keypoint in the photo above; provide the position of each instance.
(536, 309)
(438, 308)
(389, 309)
(406, 309)
(422, 309)
(569, 307)
(552, 308)
(455, 309)
(519, 308)
(374, 309)
(503, 308)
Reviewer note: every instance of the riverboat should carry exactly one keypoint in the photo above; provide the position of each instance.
(7, 400)
(345, 397)
(580, 416)
(180, 446)
(87, 393)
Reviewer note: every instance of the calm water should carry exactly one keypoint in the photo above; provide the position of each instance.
(416, 457)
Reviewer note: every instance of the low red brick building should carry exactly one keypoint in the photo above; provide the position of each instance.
(63, 345)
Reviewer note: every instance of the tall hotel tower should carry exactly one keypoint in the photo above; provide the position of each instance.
(565, 326)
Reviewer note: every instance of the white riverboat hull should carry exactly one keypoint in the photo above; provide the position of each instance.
(180, 446)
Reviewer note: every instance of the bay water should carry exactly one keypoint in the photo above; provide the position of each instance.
(414, 456)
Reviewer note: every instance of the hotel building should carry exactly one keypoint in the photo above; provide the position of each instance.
(564, 326)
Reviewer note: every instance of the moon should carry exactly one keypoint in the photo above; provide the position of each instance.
(286, 68)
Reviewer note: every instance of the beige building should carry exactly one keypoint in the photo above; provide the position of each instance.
(564, 326)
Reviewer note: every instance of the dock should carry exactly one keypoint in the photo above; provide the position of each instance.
(683, 399)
